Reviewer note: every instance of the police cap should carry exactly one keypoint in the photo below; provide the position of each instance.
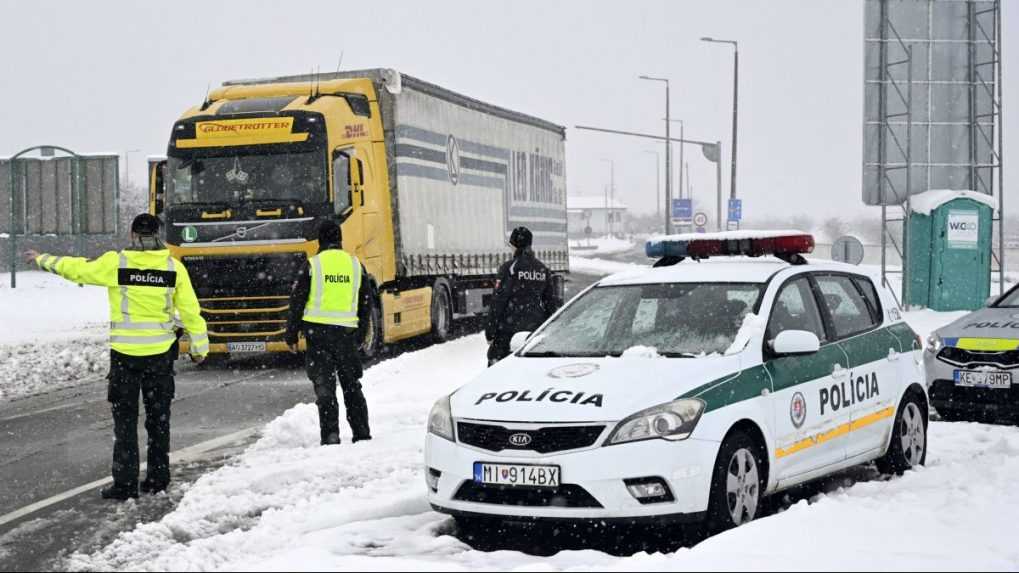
(521, 238)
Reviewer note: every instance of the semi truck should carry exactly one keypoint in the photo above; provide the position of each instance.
(426, 183)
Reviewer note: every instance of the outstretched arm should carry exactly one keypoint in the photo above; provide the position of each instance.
(98, 272)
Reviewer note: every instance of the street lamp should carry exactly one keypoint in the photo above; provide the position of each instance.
(610, 195)
(735, 100)
(668, 155)
(658, 179)
(127, 167)
(680, 122)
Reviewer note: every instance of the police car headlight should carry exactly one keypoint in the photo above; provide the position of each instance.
(440, 420)
(934, 344)
(673, 421)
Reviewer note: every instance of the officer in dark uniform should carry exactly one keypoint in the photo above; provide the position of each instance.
(330, 302)
(525, 297)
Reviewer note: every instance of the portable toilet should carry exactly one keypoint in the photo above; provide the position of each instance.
(949, 250)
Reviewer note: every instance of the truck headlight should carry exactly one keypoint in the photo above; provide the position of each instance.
(672, 421)
(440, 420)
(934, 343)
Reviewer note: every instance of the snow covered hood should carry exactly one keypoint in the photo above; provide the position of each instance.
(521, 389)
(986, 323)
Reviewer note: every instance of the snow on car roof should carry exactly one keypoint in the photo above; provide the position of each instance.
(727, 269)
(721, 270)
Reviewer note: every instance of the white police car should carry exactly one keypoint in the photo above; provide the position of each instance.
(686, 392)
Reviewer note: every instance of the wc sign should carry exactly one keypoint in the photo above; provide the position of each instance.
(963, 229)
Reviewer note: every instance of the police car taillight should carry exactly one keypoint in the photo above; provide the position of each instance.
(785, 245)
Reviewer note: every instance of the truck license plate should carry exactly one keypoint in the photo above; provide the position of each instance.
(988, 379)
(517, 475)
(239, 347)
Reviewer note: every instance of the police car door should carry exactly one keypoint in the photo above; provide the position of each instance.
(803, 421)
(869, 391)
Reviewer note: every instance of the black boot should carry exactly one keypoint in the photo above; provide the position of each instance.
(119, 492)
(153, 486)
(360, 439)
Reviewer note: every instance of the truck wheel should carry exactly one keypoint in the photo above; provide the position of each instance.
(372, 343)
(442, 311)
(909, 438)
(737, 484)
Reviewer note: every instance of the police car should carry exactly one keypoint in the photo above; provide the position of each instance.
(686, 392)
(972, 363)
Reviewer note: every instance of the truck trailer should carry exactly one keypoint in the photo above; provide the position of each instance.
(426, 183)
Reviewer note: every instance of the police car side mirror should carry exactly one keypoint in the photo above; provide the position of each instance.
(518, 341)
(795, 343)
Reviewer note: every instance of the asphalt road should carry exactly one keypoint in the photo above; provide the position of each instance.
(52, 444)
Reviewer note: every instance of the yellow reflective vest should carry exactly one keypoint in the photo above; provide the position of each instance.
(150, 293)
(335, 284)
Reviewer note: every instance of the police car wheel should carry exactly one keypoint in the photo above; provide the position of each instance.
(442, 312)
(737, 485)
(909, 438)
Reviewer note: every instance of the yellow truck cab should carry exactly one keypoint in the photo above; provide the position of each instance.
(426, 183)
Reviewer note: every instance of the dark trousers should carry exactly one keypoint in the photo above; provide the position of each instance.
(499, 348)
(333, 355)
(152, 376)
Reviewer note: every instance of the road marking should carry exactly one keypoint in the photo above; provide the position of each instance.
(180, 456)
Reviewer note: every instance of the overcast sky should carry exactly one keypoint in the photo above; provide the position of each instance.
(113, 76)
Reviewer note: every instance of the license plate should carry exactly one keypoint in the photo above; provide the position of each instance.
(517, 475)
(988, 379)
(237, 347)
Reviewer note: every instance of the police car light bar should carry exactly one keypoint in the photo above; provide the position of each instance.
(789, 246)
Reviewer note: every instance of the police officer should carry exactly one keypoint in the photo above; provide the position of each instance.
(148, 288)
(525, 297)
(330, 302)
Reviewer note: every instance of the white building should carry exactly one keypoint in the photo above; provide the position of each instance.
(603, 216)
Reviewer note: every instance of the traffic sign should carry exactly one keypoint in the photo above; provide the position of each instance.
(682, 209)
(847, 249)
(700, 219)
(735, 209)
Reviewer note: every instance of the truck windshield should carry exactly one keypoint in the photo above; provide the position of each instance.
(671, 320)
(234, 179)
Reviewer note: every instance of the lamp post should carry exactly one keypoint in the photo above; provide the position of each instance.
(681, 135)
(735, 106)
(658, 179)
(668, 155)
(610, 195)
(127, 167)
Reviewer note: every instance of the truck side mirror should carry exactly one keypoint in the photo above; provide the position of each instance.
(342, 200)
(157, 187)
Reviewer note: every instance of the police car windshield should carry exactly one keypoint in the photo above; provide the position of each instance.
(679, 320)
(235, 179)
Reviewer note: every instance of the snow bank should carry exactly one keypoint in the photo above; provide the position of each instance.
(600, 247)
(925, 203)
(45, 307)
(54, 335)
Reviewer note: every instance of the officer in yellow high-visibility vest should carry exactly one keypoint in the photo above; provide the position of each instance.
(330, 302)
(150, 295)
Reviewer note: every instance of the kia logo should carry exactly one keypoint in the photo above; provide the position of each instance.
(520, 440)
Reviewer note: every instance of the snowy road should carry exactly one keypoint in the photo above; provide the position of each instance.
(54, 442)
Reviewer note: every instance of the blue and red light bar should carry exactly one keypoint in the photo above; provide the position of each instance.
(782, 244)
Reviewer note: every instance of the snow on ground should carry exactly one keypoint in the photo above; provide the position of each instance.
(600, 246)
(53, 336)
(289, 504)
(599, 267)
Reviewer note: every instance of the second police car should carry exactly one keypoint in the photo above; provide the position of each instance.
(686, 392)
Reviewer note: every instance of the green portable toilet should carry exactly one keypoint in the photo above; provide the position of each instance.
(949, 250)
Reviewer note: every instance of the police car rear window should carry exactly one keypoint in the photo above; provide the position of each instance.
(847, 308)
